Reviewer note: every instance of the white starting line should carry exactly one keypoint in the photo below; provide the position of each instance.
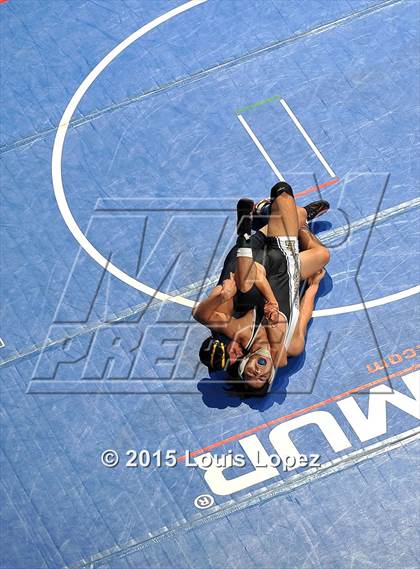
(303, 132)
(308, 138)
(260, 148)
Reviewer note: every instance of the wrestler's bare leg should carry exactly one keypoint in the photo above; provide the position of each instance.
(283, 220)
(313, 254)
(302, 215)
(297, 343)
(246, 273)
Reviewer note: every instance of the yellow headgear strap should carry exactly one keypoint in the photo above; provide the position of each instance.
(223, 355)
(213, 350)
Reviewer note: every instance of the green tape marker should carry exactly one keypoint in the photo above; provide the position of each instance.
(257, 104)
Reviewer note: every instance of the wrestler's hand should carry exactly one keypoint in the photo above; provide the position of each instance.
(234, 351)
(271, 312)
(228, 288)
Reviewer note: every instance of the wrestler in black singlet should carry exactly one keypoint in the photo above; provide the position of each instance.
(280, 258)
(243, 302)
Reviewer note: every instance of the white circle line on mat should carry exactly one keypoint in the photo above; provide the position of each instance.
(56, 171)
(58, 152)
(368, 304)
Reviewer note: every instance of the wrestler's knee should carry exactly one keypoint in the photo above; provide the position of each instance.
(296, 347)
(325, 255)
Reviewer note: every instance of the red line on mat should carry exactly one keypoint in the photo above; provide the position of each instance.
(300, 411)
(315, 188)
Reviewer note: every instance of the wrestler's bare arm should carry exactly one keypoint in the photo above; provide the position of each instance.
(297, 344)
(275, 335)
(261, 282)
(216, 313)
(250, 273)
(238, 329)
(220, 300)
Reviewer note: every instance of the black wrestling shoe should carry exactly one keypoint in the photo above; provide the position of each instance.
(315, 209)
(244, 210)
(281, 188)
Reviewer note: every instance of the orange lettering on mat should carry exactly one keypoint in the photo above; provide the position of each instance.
(393, 359)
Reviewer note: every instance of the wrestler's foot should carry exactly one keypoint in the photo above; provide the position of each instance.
(315, 209)
(244, 210)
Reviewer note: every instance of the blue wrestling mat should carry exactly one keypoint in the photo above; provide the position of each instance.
(130, 128)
